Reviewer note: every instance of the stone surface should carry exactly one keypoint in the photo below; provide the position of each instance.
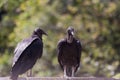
(59, 78)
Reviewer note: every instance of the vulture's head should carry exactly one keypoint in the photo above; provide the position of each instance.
(39, 32)
(70, 34)
(70, 31)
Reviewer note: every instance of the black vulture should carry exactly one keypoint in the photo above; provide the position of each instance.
(69, 53)
(26, 53)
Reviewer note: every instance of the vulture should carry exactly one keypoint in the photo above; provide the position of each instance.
(26, 53)
(69, 53)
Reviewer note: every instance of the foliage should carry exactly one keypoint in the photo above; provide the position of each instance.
(117, 76)
(96, 23)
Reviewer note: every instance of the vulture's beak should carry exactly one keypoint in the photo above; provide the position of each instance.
(72, 33)
(45, 33)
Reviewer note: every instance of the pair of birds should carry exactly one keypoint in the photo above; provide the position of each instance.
(30, 50)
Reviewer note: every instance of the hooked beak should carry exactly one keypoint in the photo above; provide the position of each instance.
(45, 33)
(72, 33)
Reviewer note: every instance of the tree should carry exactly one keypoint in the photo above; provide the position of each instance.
(96, 23)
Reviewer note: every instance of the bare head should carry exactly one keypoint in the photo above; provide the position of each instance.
(39, 32)
(70, 31)
(70, 34)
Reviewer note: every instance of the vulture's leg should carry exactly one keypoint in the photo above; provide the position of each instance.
(73, 71)
(29, 73)
(65, 75)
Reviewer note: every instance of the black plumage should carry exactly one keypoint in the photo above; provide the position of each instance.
(69, 53)
(26, 53)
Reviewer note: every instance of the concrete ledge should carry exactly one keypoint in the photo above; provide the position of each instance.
(59, 78)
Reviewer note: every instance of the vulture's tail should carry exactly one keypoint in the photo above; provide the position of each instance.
(69, 71)
(13, 76)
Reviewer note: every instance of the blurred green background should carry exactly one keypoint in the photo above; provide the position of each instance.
(97, 26)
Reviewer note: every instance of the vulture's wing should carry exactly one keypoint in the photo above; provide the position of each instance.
(21, 47)
(60, 51)
(79, 48)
